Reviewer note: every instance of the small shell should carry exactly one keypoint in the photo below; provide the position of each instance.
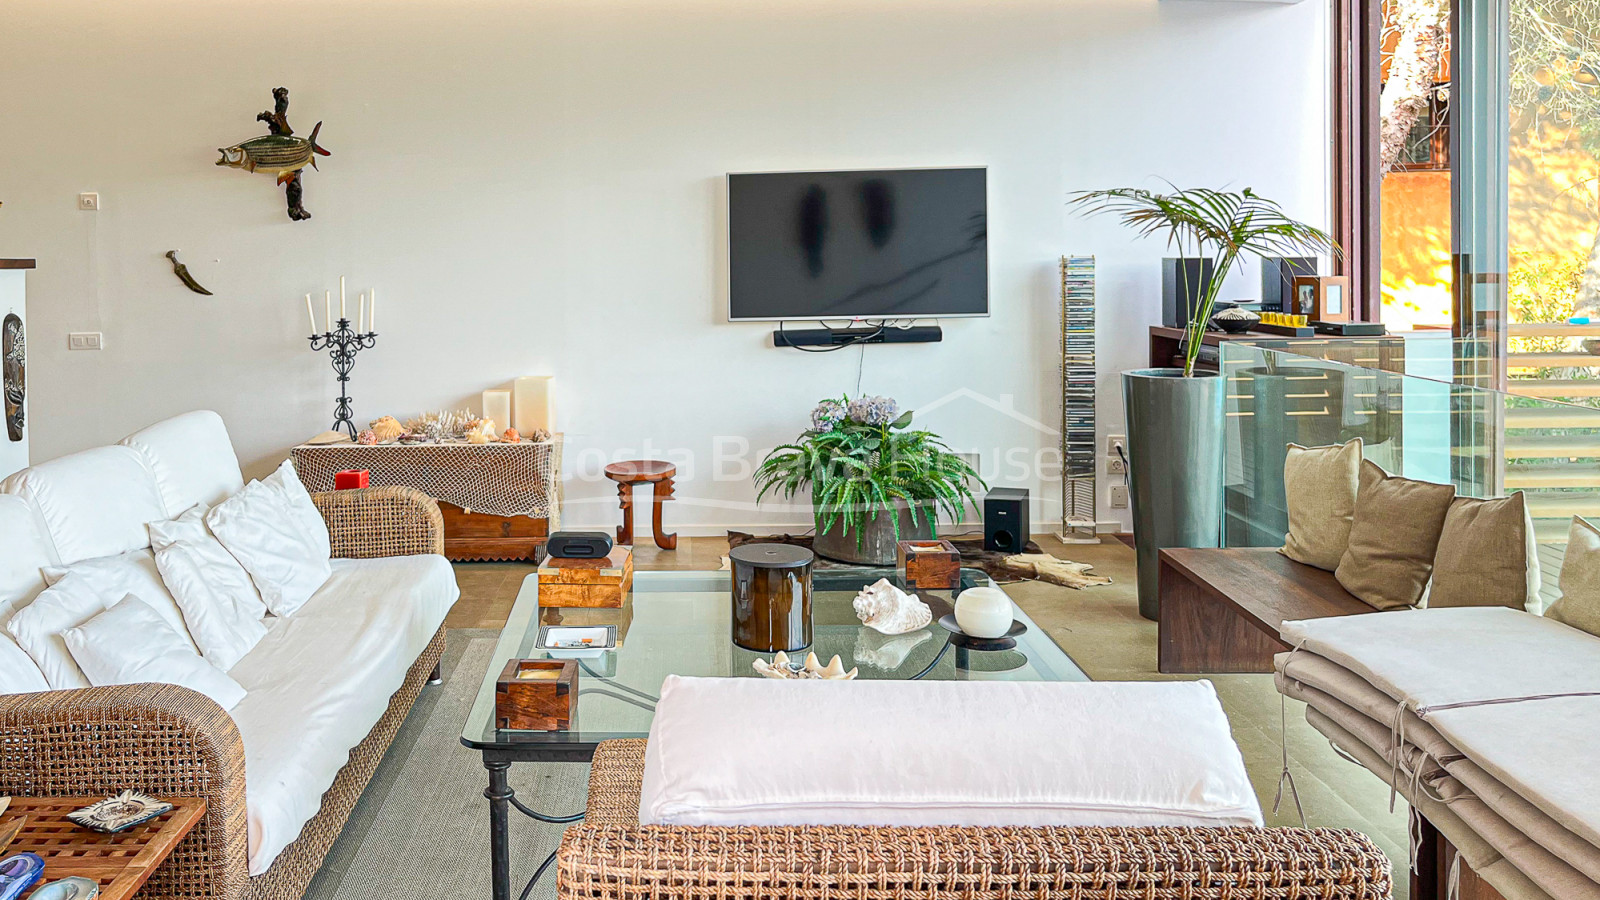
(387, 429)
(368, 437)
(477, 437)
(511, 436)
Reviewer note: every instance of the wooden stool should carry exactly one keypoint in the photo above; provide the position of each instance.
(654, 472)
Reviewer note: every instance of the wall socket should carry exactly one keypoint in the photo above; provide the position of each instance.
(1114, 459)
(89, 200)
(1119, 496)
(85, 340)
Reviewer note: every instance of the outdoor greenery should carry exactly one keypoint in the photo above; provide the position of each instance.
(860, 458)
(1225, 225)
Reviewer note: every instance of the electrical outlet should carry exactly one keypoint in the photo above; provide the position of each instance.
(1115, 466)
(85, 340)
(1115, 442)
(1119, 496)
(89, 201)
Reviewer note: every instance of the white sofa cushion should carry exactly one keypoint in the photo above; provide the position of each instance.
(25, 556)
(19, 674)
(750, 751)
(267, 535)
(320, 680)
(190, 458)
(130, 643)
(220, 605)
(90, 504)
(313, 527)
(129, 573)
(38, 626)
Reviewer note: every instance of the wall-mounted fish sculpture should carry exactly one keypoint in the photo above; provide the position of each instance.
(279, 153)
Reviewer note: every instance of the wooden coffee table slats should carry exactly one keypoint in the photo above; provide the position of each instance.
(121, 863)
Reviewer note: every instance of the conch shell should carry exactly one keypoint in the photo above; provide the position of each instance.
(477, 437)
(387, 429)
(511, 436)
(888, 610)
(811, 670)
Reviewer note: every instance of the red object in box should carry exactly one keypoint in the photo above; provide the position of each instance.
(350, 479)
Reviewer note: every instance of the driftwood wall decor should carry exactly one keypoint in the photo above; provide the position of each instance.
(278, 153)
(14, 353)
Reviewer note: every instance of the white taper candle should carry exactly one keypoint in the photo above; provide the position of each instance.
(341, 297)
(311, 316)
(372, 313)
(327, 312)
(361, 314)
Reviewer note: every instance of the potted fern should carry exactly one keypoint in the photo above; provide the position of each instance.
(1175, 416)
(873, 479)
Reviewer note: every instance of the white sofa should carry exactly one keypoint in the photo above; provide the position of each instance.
(326, 688)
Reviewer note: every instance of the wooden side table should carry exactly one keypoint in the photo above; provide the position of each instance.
(658, 475)
(120, 863)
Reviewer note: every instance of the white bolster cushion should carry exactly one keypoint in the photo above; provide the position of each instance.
(751, 751)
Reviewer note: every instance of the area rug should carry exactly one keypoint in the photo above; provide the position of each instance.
(971, 548)
(421, 829)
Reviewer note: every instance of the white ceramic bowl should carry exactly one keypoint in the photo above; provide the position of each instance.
(984, 612)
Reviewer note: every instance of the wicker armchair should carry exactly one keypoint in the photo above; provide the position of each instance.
(611, 856)
(167, 739)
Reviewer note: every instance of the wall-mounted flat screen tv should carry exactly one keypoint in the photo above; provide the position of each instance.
(876, 244)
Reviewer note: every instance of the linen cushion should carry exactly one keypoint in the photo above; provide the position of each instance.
(130, 573)
(1320, 485)
(1579, 605)
(1488, 556)
(37, 628)
(190, 458)
(24, 556)
(220, 605)
(130, 643)
(320, 680)
(1393, 538)
(908, 753)
(260, 527)
(19, 674)
(90, 504)
(313, 528)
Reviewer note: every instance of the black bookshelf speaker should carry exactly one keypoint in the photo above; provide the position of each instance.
(1184, 281)
(578, 544)
(1277, 279)
(1005, 520)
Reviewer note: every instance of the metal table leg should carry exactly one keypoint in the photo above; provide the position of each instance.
(499, 795)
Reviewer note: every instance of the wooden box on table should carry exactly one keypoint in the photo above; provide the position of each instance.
(600, 582)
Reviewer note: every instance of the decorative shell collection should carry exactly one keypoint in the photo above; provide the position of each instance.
(811, 669)
(888, 610)
(387, 429)
(440, 425)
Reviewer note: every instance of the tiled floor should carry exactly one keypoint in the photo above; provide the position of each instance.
(1100, 628)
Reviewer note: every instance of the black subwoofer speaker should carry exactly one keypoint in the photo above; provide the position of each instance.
(578, 544)
(1184, 281)
(1005, 520)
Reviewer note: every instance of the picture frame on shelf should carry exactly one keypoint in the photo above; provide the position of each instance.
(1322, 298)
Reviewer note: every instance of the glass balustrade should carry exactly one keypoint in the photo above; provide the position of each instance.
(1486, 443)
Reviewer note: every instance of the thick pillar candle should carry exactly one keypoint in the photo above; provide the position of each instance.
(497, 406)
(533, 403)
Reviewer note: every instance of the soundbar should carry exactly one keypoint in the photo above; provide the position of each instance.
(823, 337)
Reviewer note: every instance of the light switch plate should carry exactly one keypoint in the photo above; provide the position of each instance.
(85, 340)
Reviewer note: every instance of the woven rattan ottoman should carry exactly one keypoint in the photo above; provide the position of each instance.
(610, 855)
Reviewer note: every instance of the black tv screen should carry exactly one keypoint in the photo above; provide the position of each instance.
(877, 244)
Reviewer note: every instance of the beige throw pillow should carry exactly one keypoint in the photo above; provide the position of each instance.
(1393, 538)
(1579, 605)
(1487, 556)
(1319, 487)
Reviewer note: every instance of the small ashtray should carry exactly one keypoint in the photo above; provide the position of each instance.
(576, 641)
(119, 813)
(962, 639)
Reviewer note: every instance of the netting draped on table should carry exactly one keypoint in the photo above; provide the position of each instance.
(522, 479)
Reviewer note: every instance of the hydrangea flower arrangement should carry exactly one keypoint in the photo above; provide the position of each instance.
(860, 458)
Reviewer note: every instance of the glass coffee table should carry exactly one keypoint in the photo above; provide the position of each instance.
(679, 623)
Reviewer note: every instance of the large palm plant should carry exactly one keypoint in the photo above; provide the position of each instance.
(1224, 225)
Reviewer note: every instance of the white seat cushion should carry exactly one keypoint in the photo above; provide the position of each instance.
(749, 751)
(102, 649)
(321, 679)
(38, 626)
(190, 458)
(90, 504)
(25, 556)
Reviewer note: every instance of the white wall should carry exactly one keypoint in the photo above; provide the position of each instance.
(535, 187)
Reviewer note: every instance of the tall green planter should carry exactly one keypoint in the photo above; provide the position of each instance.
(1175, 452)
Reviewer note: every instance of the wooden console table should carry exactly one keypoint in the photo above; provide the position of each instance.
(120, 863)
(499, 501)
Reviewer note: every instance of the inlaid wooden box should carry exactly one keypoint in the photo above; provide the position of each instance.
(602, 582)
(928, 565)
(536, 695)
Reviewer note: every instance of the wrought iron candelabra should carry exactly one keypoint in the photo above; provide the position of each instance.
(343, 345)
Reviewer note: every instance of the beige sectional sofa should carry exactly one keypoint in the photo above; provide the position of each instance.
(326, 688)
